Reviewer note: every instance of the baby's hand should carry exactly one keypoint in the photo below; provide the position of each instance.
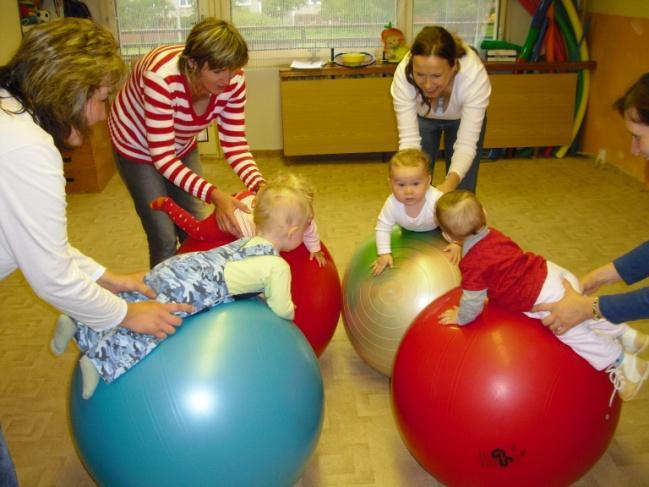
(449, 317)
(319, 258)
(453, 252)
(381, 262)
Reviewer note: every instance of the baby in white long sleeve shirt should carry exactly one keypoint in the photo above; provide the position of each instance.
(411, 205)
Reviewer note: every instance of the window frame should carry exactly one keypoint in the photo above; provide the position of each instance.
(262, 59)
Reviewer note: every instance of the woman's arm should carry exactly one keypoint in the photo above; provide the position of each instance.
(474, 90)
(231, 126)
(34, 223)
(161, 136)
(634, 265)
(404, 100)
(32, 195)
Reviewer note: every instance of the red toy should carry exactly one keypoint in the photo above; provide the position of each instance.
(316, 291)
(499, 403)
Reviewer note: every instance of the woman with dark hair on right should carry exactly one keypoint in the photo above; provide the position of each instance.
(631, 267)
(441, 88)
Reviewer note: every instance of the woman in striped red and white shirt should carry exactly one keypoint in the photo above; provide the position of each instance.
(172, 94)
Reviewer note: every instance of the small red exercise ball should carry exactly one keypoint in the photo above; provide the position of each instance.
(316, 291)
(499, 402)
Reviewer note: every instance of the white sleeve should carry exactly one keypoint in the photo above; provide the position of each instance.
(86, 264)
(311, 238)
(476, 94)
(384, 224)
(278, 290)
(404, 100)
(245, 220)
(34, 232)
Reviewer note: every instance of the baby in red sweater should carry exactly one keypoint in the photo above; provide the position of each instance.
(493, 266)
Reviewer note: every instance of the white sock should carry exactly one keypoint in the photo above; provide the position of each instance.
(89, 377)
(64, 332)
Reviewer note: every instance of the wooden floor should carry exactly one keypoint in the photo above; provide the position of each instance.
(574, 213)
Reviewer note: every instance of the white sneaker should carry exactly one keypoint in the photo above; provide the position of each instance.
(628, 377)
(634, 341)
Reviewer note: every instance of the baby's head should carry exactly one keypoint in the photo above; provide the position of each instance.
(409, 175)
(460, 214)
(281, 215)
(298, 183)
(409, 158)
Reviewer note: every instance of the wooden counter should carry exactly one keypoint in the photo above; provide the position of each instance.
(337, 110)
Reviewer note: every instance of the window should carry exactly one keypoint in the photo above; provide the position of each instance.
(316, 24)
(312, 24)
(145, 24)
(275, 29)
(472, 20)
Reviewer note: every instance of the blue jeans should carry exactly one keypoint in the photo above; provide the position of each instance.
(7, 470)
(431, 131)
(145, 183)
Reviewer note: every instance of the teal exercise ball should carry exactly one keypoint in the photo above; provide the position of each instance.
(235, 397)
(377, 311)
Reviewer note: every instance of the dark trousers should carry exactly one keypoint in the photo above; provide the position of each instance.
(431, 131)
(145, 183)
(7, 470)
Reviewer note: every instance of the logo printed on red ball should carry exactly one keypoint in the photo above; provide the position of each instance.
(503, 458)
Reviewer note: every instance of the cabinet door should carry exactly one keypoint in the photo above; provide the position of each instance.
(338, 116)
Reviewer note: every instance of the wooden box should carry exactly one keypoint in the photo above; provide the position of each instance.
(88, 168)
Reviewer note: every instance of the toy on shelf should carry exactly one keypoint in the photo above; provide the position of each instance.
(43, 15)
(28, 12)
(394, 44)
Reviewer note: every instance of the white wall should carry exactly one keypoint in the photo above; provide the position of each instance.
(10, 34)
(264, 111)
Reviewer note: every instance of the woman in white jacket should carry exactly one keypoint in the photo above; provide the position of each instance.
(441, 88)
(51, 91)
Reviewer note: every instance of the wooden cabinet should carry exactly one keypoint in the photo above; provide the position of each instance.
(88, 168)
(340, 110)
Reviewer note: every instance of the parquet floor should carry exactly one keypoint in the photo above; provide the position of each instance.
(574, 213)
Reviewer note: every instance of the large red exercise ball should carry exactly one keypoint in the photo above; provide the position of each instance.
(377, 311)
(316, 291)
(499, 402)
(235, 397)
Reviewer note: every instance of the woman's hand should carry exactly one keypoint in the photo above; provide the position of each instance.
(606, 274)
(224, 212)
(154, 318)
(571, 310)
(117, 283)
(450, 183)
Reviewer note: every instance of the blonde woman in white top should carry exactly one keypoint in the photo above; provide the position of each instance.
(441, 88)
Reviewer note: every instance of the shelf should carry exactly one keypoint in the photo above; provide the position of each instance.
(381, 69)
